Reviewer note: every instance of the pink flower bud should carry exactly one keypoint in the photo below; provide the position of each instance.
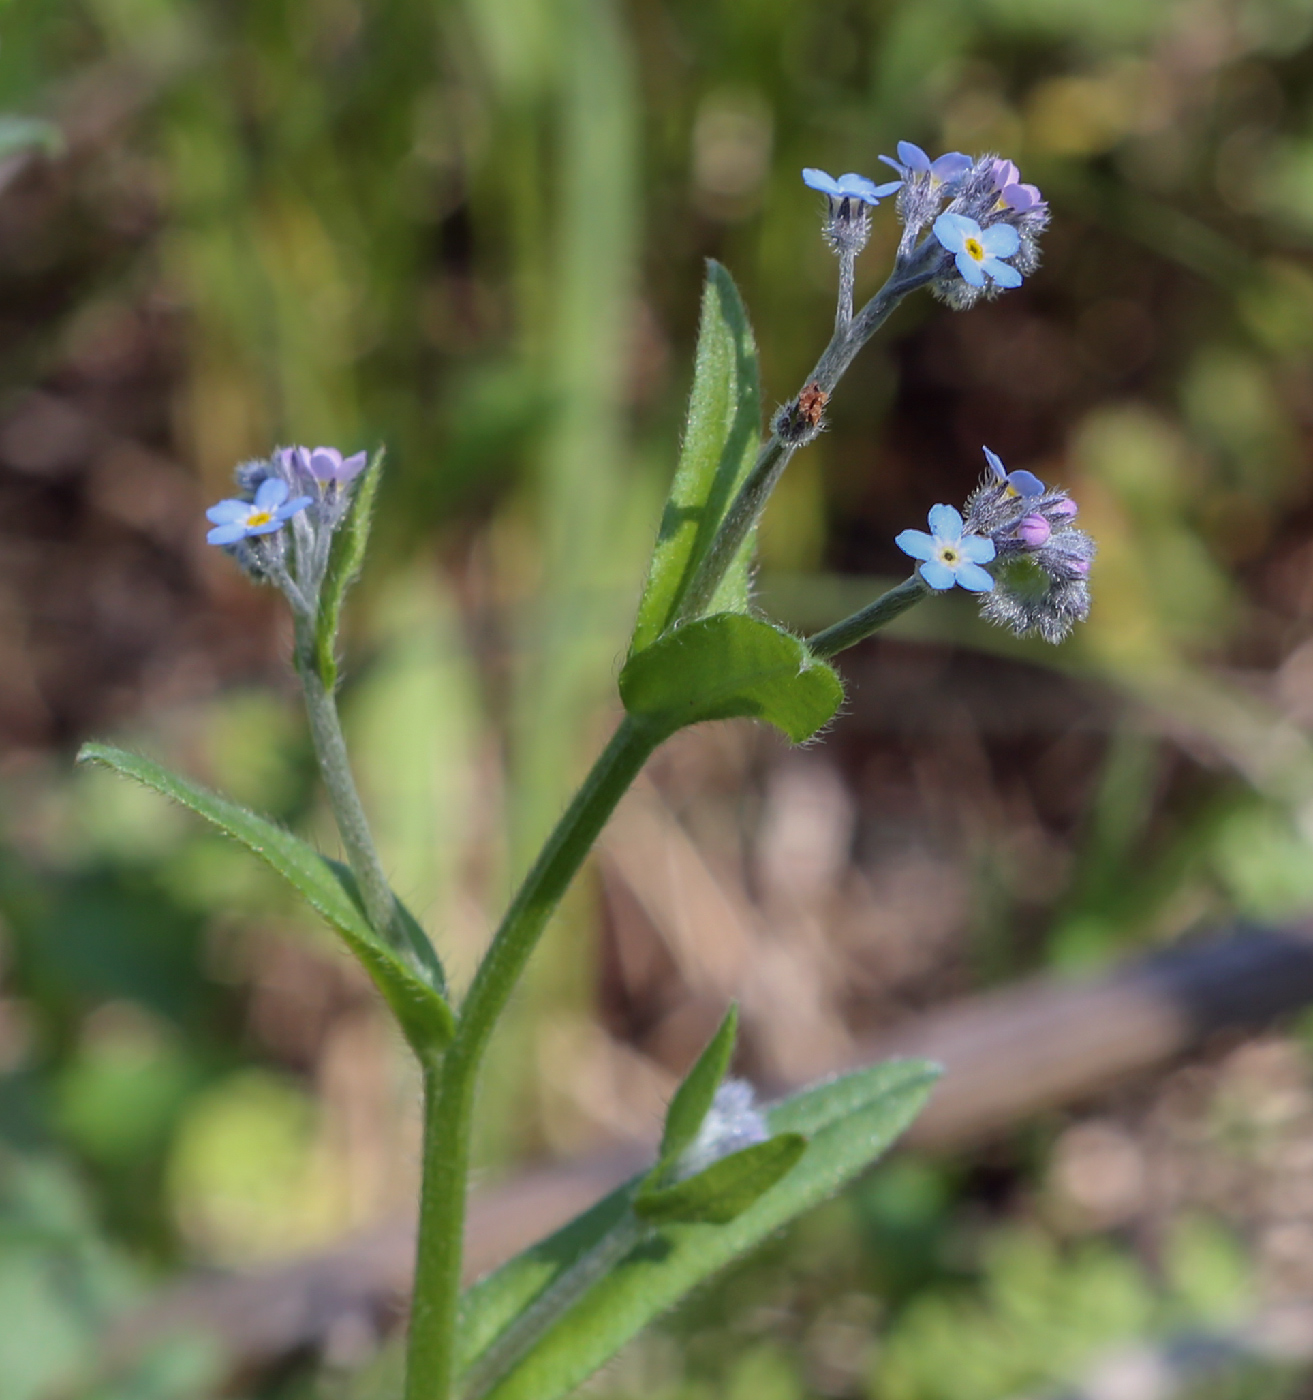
(1064, 509)
(1034, 530)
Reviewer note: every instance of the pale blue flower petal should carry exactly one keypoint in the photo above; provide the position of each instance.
(1026, 483)
(945, 524)
(1002, 273)
(913, 157)
(970, 269)
(890, 161)
(291, 508)
(272, 492)
(893, 186)
(938, 575)
(856, 186)
(916, 543)
(996, 464)
(951, 166)
(227, 511)
(226, 534)
(1000, 240)
(953, 230)
(973, 577)
(979, 549)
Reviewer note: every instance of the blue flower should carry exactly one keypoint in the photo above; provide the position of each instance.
(949, 556)
(1020, 483)
(978, 251)
(322, 464)
(848, 186)
(912, 161)
(235, 520)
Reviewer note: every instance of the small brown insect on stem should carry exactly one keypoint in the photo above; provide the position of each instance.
(800, 420)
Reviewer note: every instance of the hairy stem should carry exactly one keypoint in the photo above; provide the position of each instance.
(335, 767)
(449, 1094)
(869, 619)
(848, 339)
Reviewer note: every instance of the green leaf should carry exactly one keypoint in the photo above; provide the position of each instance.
(850, 1121)
(727, 666)
(328, 887)
(721, 439)
(693, 1097)
(725, 1189)
(345, 560)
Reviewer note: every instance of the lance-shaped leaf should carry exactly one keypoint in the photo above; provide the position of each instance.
(693, 1098)
(850, 1121)
(422, 1010)
(724, 1190)
(721, 439)
(730, 666)
(345, 559)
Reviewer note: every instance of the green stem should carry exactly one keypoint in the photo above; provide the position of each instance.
(849, 337)
(871, 618)
(449, 1093)
(380, 903)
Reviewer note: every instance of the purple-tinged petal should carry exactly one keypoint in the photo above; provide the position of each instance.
(946, 524)
(1003, 273)
(352, 467)
(970, 269)
(1005, 174)
(325, 463)
(1064, 509)
(227, 511)
(819, 180)
(1022, 197)
(229, 533)
(974, 578)
(271, 492)
(1033, 530)
(995, 464)
(1025, 483)
(938, 575)
(953, 230)
(950, 167)
(913, 157)
(916, 543)
(1000, 240)
(978, 549)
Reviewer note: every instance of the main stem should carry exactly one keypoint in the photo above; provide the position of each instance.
(449, 1087)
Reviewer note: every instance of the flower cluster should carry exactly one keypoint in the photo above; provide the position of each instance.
(1040, 560)
(1043, 559)
(979, 211)
(308, 491)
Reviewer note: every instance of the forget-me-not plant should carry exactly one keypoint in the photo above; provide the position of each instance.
(701, 651)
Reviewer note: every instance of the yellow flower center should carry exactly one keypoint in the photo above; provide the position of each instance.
(258, 517)
(974, 249)
(948, 555)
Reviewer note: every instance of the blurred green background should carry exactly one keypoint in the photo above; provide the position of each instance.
(475, 232)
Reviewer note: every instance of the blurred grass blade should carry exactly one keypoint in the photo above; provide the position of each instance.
(726, 667)
(850, 1120)
(344, 565)
(327, 887)
(693, 1098)
(720, 444)
(26, 133)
